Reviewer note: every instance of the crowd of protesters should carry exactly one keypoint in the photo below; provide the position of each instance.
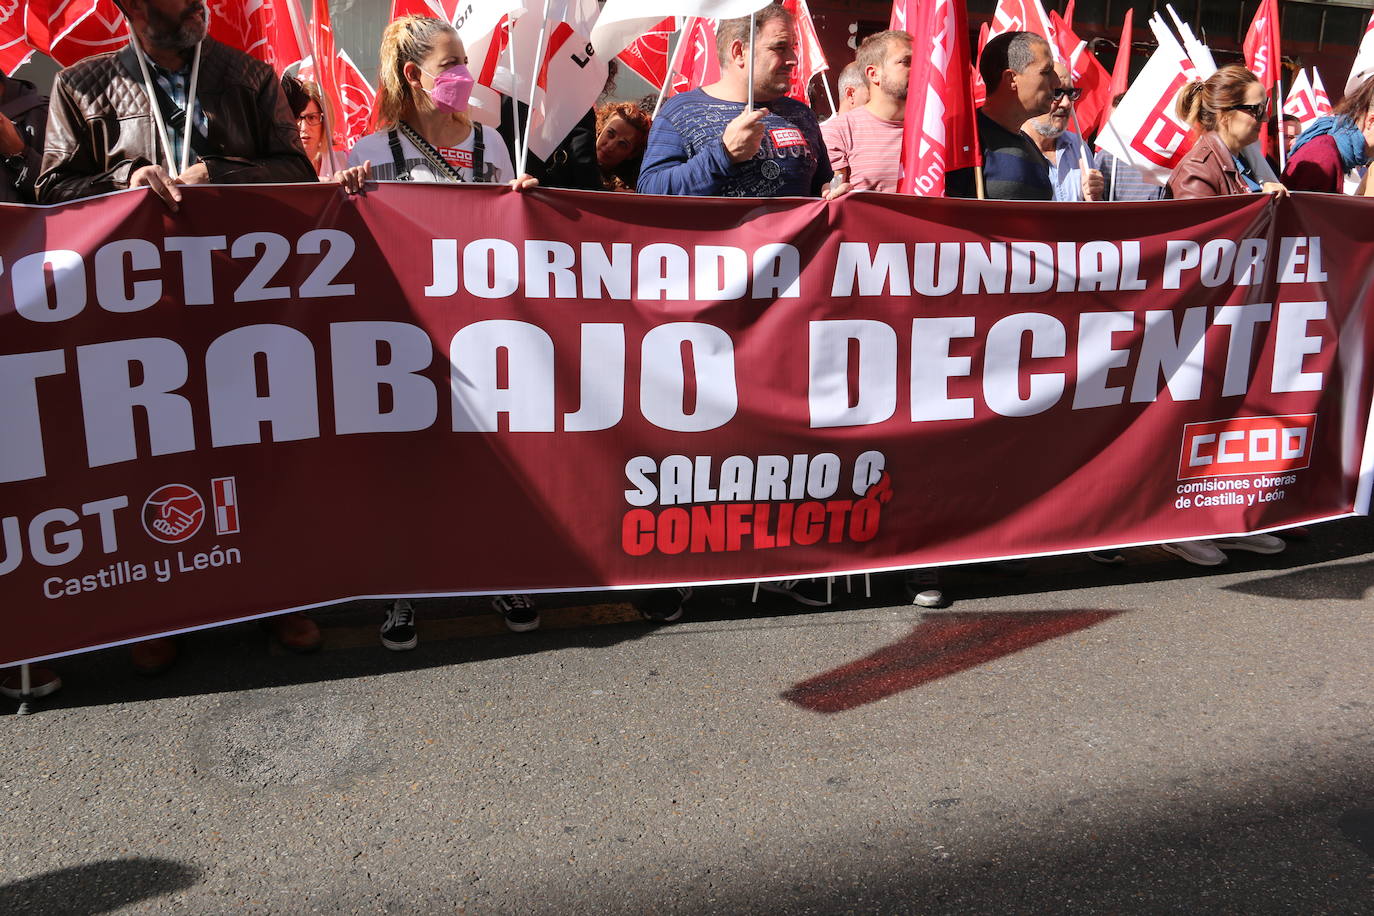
(176, 108)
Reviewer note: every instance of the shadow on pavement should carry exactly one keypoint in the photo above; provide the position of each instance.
(940, 646)
(98, 887)
(1348, 581)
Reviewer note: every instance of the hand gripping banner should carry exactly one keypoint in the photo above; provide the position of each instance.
(283, 397)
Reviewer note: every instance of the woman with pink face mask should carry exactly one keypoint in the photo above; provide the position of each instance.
(424, 132)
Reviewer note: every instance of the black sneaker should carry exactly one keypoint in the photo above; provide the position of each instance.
(519, 611)
(923, 588)
(398, 632)
(663, 605)
(810, 592)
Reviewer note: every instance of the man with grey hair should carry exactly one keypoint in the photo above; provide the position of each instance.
(1018, 70)
(1065, 150)
(852, 89)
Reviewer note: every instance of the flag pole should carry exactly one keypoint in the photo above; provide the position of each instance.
(825, 82)
(750, 63)
(1278, 90)
(1083, 163)
(674, 62)
(514, 103)
(534, 89)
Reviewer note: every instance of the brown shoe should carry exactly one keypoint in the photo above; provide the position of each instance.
(296, 632)
(153, 656)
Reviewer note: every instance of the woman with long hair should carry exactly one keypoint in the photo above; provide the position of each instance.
(424, 130)
(622, 130)
(1334, 145)
(425, 134)
(1228, 110)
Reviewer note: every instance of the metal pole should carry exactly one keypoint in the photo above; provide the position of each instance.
(1278, 88)
(514, 103)
(534, 88)
(750, 64)
(674, 62)
(25, 691)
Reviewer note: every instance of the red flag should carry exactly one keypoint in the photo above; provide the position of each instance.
(14, 50)
(897, 18)
(980, 88)
(326, 73)
(71, 31)
(939, 133)
(358, 99)
(1121, 70)
(647, 55)
(1068, 13)
(1262, 53)
(810, 57)
(1086, 74)
(697, 65)
(1022, 16)
(1262, 44)
(260, 28)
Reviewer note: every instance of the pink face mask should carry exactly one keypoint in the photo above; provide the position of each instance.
(452, 88)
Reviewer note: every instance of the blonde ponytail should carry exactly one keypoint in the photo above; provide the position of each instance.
(407, 40)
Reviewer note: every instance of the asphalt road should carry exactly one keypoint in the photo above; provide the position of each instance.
(1146, 739)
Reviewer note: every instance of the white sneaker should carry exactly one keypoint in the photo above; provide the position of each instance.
(1199, 553)
(1255, 543)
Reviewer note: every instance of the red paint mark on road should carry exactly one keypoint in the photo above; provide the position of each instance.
(938, 647)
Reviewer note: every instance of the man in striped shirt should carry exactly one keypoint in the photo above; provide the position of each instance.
(865, 144)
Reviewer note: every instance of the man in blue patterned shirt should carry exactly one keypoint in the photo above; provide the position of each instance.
(707, 143)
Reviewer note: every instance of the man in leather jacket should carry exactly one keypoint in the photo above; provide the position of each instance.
(23, 115)
(102, 134)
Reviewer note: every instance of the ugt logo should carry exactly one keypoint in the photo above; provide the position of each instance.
(173, 513)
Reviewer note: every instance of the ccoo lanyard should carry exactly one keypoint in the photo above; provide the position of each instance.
(161, 123)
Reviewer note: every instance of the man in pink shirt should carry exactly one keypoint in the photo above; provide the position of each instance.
(865, 144)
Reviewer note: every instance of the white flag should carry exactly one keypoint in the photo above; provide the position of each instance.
(565, 79)
(1363, 67)
(623, 21)
(1302, 101)
(484, 26)
(1322, 100)
(1145, 131)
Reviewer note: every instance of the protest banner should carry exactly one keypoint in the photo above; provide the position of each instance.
(282, 397)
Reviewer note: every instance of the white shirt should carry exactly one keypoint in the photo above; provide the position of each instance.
(1066, 173)
(377, 147)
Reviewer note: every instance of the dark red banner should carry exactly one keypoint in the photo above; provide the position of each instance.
(284, 397)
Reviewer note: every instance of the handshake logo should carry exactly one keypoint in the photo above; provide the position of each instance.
(173, 513)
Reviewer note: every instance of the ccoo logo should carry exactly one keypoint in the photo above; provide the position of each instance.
(173, 513)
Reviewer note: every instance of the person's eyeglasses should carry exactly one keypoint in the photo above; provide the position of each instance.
(314, 119)
(1070, 93)
(1257, 110)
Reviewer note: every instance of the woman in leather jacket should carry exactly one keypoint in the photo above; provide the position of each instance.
(1229, 109)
